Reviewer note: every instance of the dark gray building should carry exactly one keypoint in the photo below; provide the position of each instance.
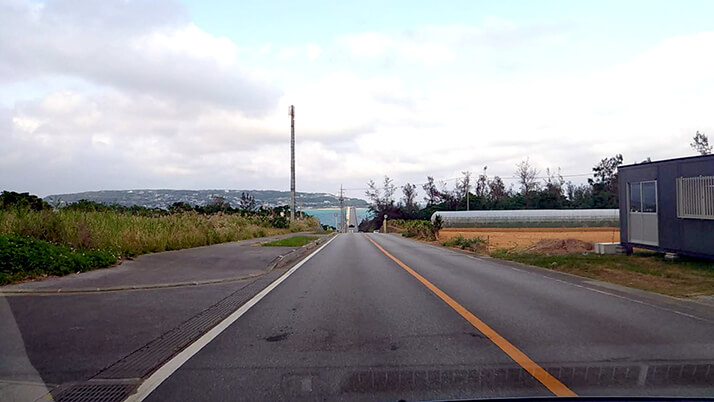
(668, 205)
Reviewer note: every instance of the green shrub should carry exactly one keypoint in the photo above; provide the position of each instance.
(422, 229)
(280, 222)
(473, 244)
(26, 258)
(11, 199)
(438, 223)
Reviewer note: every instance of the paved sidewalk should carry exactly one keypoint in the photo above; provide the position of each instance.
(200, 265)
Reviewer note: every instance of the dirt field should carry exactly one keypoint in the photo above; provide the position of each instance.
(521, 238)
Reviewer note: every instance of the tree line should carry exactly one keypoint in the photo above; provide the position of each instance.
(490, 193)
(483, 192)
(278, 217)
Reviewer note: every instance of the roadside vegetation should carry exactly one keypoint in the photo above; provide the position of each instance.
(420, 229)
(293, 241)
(685, 277)
(465, 243)
(86, 228)
(23, 257)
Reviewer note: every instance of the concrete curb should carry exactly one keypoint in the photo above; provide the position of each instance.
(277, 263)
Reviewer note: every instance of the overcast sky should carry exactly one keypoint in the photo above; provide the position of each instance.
(194, 95)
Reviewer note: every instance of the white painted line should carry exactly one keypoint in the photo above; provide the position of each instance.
(151, 383)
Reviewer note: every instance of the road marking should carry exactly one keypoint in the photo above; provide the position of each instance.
(530, 271)
(160, 375)
(539, 373)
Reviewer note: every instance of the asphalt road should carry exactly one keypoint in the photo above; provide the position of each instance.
(352, 219)
(352, 324)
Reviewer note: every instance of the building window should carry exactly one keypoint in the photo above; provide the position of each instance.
(695, 197)
(643, 197)
(649, 196)
(635, 198)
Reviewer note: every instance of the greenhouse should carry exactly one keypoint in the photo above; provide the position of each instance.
(530, 218)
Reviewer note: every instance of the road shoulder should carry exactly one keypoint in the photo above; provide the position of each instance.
(700, 309)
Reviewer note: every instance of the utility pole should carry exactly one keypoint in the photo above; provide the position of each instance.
(342, 211)
(292, 162)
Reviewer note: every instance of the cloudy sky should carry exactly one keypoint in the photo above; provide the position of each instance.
(194, 95)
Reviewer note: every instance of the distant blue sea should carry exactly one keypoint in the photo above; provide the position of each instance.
(326, 216)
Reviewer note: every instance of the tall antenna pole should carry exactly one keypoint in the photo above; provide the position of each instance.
(342, 211)
(292, 162)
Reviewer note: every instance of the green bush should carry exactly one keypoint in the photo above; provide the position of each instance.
(473, 244)
(280, 222)
(26, 258)
(11, 199)
(438, 223)
(422, 229)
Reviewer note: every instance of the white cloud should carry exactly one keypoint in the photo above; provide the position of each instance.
(189, 41)
(26, 124)
(161, 102)
(132, 46)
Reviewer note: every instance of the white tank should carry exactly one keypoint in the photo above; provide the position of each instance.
(530, 218)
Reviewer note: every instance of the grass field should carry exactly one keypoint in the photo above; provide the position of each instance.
(644, 270)
(130, 235)
(520, 238)
(293, 241)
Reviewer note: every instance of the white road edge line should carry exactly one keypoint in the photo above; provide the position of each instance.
(153, 382)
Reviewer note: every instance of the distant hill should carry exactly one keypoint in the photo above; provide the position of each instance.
(164, 198)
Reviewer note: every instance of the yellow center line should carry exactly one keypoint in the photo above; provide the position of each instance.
(539, 373)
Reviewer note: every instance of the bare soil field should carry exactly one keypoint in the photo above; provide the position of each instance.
(524, 238)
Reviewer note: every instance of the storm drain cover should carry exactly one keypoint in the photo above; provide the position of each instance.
(94, 392)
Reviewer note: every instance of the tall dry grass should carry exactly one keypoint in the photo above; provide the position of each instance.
(130, 235)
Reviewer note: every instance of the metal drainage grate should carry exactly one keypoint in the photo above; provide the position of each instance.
(94, 392)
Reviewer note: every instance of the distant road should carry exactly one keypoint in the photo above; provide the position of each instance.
(352, 222)
(376, 316)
